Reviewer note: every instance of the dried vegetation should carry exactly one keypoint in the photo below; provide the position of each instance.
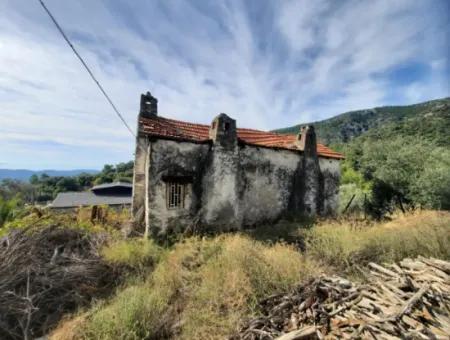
(45, 273)
(200, 289)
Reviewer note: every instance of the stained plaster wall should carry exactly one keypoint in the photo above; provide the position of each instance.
(331, 173)
(230, 188)
(139, 195)
(170, 159)
(266, 183)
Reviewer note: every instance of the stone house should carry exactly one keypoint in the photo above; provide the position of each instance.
(219, 177)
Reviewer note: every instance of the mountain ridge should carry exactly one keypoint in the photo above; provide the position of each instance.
(25, 174)
(348, 125)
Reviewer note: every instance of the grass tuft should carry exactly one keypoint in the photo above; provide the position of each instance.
(138, 254)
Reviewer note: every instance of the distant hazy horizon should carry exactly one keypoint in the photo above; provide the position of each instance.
(25, 174)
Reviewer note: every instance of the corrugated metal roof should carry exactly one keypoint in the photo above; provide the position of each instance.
(112, 185)
(175, 129)
(87, 198)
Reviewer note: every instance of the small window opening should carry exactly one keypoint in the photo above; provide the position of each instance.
(175, 195)
(226, 126)
(213, 125)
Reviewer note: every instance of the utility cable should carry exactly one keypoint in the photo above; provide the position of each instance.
(86, 67)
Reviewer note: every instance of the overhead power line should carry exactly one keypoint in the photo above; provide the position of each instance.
(86, 67)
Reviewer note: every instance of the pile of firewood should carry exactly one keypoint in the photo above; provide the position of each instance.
(406, 300)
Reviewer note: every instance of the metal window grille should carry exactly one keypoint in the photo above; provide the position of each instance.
(175, 195)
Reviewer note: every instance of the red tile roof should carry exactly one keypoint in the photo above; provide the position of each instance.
(175, 129)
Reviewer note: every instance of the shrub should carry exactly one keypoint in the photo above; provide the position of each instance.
(7, 209)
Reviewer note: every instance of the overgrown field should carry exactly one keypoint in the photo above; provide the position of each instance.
(205, 288)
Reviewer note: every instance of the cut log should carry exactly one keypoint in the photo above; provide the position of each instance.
(308, 332)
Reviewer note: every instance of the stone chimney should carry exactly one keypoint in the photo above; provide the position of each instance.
(149, 106)
(306, 140)
(223, 131)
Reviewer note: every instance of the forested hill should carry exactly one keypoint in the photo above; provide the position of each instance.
(393, 153)
(396, 153)
(430, 120)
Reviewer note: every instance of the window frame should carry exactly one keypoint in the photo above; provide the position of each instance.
(175, 195)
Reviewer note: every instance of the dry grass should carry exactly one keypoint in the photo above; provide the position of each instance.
(203, 288)
(135, 255)
(101, 216)
(69, 328)
(230, 284)
(146, 309)
(110, 222)
(425, 233)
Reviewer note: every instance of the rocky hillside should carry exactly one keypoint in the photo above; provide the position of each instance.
(430, 119)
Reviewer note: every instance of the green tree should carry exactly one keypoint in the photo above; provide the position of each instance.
(67, 184)
(34, 179)
(412, 170)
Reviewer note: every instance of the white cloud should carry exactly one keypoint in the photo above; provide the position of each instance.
(321, 58)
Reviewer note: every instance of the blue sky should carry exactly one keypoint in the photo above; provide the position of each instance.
(269, 64)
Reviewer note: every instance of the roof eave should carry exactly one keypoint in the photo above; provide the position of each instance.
(154, 137)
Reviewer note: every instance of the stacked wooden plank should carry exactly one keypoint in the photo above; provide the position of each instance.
(410, 299)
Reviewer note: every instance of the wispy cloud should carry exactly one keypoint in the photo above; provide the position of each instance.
(268, 64)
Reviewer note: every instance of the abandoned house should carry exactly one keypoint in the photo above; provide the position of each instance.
(219, 177)
(116, 195)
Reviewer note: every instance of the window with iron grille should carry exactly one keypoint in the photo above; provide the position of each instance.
(175, 195)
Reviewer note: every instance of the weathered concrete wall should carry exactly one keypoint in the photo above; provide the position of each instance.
(220, 201)
(331, 173)
(139, 179)
(231, 187)
(265, 183)
(169, 159)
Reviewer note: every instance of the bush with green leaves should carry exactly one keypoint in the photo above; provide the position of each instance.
(416, 169)
(8, 208)
(354, 189)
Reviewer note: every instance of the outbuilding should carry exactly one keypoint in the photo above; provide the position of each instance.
(116, 195)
